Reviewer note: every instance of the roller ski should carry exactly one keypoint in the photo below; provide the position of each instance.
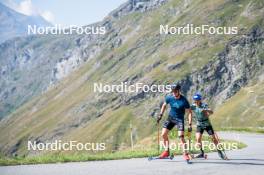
(164, 155)
(201, 156)
(159, 158)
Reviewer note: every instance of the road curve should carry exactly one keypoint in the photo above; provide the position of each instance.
(249, 160)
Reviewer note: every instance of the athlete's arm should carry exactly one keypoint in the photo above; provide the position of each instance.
(208, 112)
(163, 108)
(189, 111)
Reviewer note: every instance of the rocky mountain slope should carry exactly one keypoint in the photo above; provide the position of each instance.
(13, 24)
(53, 57)
(58, 73)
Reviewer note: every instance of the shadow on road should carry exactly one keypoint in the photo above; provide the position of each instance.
(249, 159)
(230, 163)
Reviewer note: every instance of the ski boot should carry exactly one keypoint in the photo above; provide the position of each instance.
(186, 157)
(201, 155)
(222, 155)
(164, 154)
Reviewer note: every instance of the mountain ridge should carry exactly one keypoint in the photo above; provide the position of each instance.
(14, 24)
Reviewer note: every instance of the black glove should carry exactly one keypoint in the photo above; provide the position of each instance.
(190, 128)
(159, 118)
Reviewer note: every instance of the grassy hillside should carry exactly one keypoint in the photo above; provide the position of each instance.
(72, 111)
(243, 111)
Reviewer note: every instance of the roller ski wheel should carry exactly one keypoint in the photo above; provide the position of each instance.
(188, 162)
(187, 158)
(171, 156)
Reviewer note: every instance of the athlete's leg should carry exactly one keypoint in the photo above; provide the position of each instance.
(211, 133)
(164, 135)
(180, 126)
(214, 138)
(182, 141)
(167, 126)
(186, 155)
(199, 141)
(199, 134)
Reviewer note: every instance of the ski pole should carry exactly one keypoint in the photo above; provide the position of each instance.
(158, 137)
(189, 134)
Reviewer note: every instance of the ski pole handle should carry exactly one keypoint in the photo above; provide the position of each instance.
(190, 129)
(159, 118)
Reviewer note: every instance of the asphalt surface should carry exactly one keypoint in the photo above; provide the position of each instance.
(246, 161)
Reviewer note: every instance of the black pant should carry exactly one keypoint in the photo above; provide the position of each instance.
(169, 124)
(209, 129)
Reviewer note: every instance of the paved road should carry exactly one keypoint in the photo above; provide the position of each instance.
(243, 162)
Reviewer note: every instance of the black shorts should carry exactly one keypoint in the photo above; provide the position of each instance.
(169, 124)
(208, 129)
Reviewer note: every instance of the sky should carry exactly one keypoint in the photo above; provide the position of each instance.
(66, 12)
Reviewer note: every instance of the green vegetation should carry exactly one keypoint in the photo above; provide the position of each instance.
(81, 157)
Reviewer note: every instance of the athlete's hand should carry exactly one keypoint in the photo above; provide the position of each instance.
(205, 112)
(190, 128)
(159, 118)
